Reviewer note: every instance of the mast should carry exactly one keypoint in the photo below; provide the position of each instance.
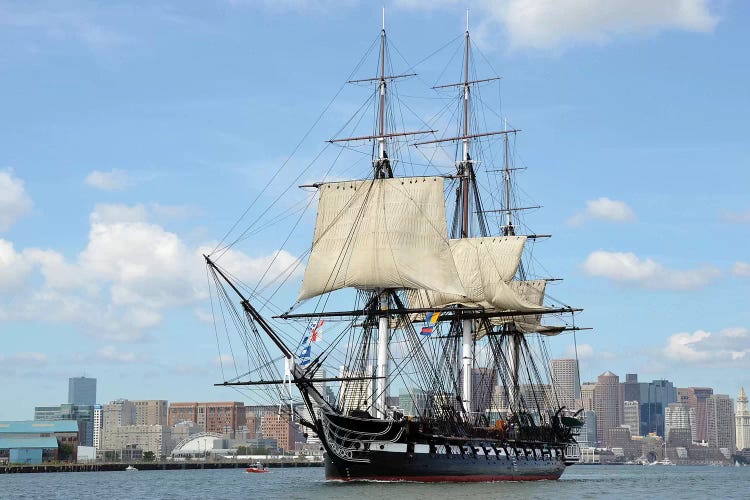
(382, 170)
(464, 170)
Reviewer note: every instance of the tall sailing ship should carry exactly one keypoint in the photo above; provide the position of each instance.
(446, 313)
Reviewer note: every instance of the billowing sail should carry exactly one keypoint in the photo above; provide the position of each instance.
(381, 233)
(485, 267)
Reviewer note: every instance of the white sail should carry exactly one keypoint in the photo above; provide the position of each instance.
(485, 267)
(381, 233)
(531, 291)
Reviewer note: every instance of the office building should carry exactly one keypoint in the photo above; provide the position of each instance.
(654, 398)
(154, 438)
(631, 417)
(679, 416)
(150, 412)
(721, 422)
(415, 402)
(82, 391)
(631, 389)
(357, 392)
(98, 422)
(281, 428)
(566, 381)
(696, 398)
(587, 436)
(225, 417)
(587, 396)
(607, 405)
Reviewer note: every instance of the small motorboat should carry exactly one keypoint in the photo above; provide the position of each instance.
(256, 468)
(130, 468)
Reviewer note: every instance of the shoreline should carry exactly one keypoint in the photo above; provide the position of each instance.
(144, 466)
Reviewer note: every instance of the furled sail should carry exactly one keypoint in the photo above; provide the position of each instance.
(531, 291)
(486, 267)
(381, 233)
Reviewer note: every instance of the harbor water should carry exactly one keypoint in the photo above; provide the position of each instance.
(578, 482)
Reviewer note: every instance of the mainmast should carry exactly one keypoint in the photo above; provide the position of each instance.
(465, 172)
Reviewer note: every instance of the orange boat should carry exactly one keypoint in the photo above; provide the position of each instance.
(256, 468)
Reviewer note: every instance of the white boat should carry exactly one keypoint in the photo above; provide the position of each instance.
(130, 468)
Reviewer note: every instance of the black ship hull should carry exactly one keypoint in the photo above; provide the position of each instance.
(435, 467)
(368, 449)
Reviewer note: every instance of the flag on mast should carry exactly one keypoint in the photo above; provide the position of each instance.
(430, 321)
(316, 331)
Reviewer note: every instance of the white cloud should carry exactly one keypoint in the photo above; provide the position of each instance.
(630, 269)
(584, 351)
(741, 269)
(14, 202)
(224, 360)
(539, 24)
(112, 354)
(729, 346)
(114, 180)
(14, 268)
(603, 209)
(119, 285)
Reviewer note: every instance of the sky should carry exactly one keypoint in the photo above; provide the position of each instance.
(134, 134)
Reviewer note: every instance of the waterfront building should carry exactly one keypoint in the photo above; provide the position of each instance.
(118, 412)
(82, 414)
(742, 427)
(654, 398)
(115, 414)
(38, 441)
(696, 398)
(154, 438)
(97, 434)
(281, 428)
(225, 417)
(721, 422)
(82, 391)
(607, 404)
(631, 416)
(679, 416)
(566, 381)
(150, 412)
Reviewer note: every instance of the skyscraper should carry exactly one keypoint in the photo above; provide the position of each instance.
(566, 381)
(587, 396)
(631, 389)
(721, 423)
(607, 404)
(631, 417)
(679, 416)
(742, 430)
(82, 391)
(696, 398)
(654, 398)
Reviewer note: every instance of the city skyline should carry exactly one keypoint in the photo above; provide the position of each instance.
(158, 131)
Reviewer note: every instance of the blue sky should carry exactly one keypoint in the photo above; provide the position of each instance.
(132, 136)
